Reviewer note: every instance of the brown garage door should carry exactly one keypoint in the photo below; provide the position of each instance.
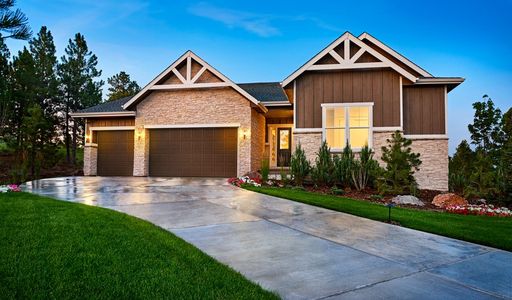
(196, 152)
(115, 153)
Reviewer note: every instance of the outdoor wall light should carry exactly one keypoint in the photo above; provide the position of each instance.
(140, 132)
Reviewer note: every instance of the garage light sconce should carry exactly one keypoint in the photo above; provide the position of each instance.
(140, 132)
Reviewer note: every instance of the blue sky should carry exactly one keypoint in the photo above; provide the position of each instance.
(267, 40)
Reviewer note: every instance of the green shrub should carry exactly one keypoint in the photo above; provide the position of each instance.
(364, 169)
(265, 169)
(401, 163)
(299, 165)
(337, 191)
(284, 176)
(343, 166)
(323, 172)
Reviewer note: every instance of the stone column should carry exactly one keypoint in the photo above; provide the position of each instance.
(90, 159)
(141, 151)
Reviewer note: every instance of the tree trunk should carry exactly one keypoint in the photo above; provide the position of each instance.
(75, 125)
(66, 134)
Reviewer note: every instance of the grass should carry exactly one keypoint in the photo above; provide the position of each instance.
(62, 250)
(490, 231)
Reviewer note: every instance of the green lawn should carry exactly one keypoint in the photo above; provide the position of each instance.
(490, 231)
(60, 250)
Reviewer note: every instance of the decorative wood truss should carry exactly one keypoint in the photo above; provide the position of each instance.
(348, 52)
(190, 72)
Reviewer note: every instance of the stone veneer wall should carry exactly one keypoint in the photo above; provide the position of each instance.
(310, 143)
(257, 139)
(433, 173)
(195, 106)
(90, 159)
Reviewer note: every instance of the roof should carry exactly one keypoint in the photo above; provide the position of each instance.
(109, 106)
(188, 82)
(265, 91)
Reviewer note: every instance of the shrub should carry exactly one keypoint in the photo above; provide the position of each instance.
(322, 173)
(364, 169)
(343, 166)
(401, 163)
(299, 165)
(265, 169)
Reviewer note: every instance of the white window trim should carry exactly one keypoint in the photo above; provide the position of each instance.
(347, 128)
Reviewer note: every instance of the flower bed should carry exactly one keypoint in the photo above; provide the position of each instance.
(481, 210)
(238, 181)
(10, 188)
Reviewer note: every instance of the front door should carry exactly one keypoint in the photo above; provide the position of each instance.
(284, 143)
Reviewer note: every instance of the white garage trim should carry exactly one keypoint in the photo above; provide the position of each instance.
(223, 125)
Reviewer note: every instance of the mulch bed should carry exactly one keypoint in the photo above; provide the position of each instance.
(426, 196)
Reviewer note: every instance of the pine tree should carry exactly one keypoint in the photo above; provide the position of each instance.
(460, 166)
(401, 163)
(78, 72)
(5, 87)
(47, 85)
(121, 86)
(13, 23)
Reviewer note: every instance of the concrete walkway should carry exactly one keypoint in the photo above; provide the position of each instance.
(298, 250)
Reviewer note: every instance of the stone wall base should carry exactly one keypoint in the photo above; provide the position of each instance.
(433, 173)
(90, 159)
(310, 143)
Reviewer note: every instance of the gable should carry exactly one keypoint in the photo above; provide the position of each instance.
(190, 72)
(346, 53)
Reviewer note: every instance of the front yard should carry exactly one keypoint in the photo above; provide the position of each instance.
(490, 231)
(61, 250)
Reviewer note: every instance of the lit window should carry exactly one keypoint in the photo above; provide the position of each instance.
(344, 122)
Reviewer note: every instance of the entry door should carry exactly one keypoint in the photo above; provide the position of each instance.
(284, 143)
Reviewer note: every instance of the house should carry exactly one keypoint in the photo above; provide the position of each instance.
(191, 120)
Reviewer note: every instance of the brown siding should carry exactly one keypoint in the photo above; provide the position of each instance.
(379, 86)
(424, 110)
(102, 122)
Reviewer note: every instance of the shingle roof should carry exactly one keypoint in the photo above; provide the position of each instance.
(265, 91)
(110, 106)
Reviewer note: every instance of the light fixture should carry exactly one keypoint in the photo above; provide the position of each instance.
(140, 132)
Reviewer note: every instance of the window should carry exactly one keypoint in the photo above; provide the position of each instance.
(347, 121)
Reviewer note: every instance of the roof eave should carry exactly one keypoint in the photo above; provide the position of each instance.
(102, 114)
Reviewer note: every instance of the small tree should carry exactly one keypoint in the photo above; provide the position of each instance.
(486, 130)
(363, 169)
(322, 173)
(343, 166)
(401, 163)
(460, 167)
(299, 165)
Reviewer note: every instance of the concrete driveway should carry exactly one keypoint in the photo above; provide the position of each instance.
(298, 250)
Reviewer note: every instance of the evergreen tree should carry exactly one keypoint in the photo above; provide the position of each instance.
(46, 88)
(460, 167)
(505, 165)
(121, 86)
(78, 75)
(13, 23)
(401, 163)
(5, 88)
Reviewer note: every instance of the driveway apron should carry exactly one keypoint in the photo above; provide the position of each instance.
(299, 251)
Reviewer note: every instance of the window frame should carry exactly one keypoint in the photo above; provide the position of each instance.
(345, 106)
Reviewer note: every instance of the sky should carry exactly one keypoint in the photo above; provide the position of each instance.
(257, 41)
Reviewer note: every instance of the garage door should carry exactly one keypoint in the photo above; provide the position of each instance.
(195, 152)
(115, 153)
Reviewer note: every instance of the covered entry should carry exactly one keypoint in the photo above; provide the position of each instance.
(194, 152)
(115, 152)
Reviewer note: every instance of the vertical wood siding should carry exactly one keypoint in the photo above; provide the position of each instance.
(424, 110)
(379, 86)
